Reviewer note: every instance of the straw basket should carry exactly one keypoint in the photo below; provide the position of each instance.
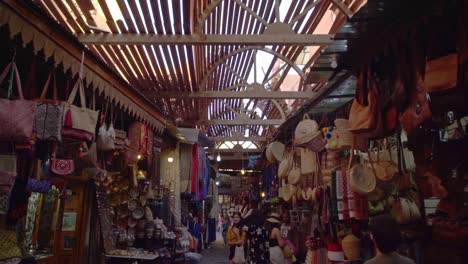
(351, 247)
(345, 138)
(342, 124)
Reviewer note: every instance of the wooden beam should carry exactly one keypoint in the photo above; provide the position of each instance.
(214, 39)
(232, 94)
(243, 122)
(220, 139)
(214, 151)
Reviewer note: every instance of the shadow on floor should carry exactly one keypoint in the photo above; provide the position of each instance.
(217, 254)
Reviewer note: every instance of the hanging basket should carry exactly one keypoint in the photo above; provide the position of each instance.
(351, 247)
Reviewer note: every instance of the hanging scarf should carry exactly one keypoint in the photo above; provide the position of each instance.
(194, 174)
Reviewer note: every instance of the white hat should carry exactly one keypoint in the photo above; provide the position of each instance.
(305, 130)
(275, 151)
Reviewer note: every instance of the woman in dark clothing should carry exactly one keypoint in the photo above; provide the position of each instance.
(257, 236)
(276, 241)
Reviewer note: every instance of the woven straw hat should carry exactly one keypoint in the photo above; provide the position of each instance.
(351, 247)
(306, 194)
(274, 218)
(285, 165)
(362, 179)
(294, 175)
(288, 191)
(305, 130)
(275, 151)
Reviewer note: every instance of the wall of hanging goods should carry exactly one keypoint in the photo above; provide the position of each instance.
(396, 154)
(60, 137)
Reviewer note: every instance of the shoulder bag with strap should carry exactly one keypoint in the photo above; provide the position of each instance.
(17, 127)
(79, 121)
(49, 114)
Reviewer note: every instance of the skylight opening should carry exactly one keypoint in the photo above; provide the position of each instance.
(161, 15)
(171, 16)
(221, 20)
(121, 72)
(126, 60)
(132, 17)
(150, 61)
(64, 18)
(260, 130)
(238, 15)
(142, 68)
(182, 17)
(143, 18)
(166, 67)
(153, 22)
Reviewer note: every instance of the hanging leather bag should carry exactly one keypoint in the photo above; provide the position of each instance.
(16, 116)
(418, 111)
(362, 116)
(441, 73)
(79, 121)
(49, 113)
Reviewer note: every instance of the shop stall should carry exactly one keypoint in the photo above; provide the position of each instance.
(80, 152)
(397, 148)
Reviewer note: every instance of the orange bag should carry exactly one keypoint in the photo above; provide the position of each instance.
(418, 111)
(362, 118)
(441, 73)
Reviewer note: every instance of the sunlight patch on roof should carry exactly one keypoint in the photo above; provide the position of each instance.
(242, 144)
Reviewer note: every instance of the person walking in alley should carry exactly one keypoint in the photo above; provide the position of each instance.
(257, 235)
(236, 238)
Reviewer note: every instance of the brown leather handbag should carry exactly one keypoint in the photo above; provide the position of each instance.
(418, 111)
(441, 73)
(362, 117)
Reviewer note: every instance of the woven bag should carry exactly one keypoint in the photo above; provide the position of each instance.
(49, 114)
(351, 247)
(9, 246)
(17, 127)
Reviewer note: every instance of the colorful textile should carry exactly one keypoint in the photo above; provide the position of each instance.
(233, 236)
(206, 180)
(342, 205)
(349, 195)
(194, 174)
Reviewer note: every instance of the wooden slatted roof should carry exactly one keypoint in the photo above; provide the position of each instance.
(155, 68)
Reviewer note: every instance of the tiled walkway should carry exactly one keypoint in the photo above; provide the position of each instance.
(218, 254)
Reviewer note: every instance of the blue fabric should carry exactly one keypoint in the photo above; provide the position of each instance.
(207, 178)
(211, 230)
(197, 231)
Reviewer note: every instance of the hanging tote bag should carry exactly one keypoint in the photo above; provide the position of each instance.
(363, 117)
(49, 113)
(239, 255)
(17, 127)
(79, 121)
(441, 73)
(106, 136)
